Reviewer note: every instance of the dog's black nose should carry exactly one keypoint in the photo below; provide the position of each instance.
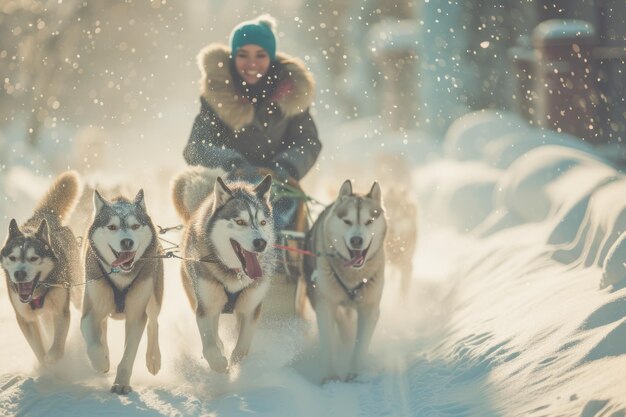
(259, 244)
(126, 244)
(356, 242)
(20, 275)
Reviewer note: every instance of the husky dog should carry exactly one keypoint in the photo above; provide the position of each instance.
(124, 280)
(82, 216)
(348, 273)
(401, 238)
(42, 266)
(228, 255)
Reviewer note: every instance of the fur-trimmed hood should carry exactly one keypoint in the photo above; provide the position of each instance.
(294, 94)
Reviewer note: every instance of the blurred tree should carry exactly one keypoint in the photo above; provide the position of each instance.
(85, 63)
(36, 41)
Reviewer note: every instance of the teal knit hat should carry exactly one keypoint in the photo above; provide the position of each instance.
(259, 31)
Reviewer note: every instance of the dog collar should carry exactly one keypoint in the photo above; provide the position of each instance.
(239, 272)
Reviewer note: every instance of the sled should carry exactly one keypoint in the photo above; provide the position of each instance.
(282, 299)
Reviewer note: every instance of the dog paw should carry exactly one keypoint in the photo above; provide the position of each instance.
(121, 389)
(52, 357)
(237, 356)
(217, 362)
(333, 378)
(153, 362)
(99, 359)
(350, 377)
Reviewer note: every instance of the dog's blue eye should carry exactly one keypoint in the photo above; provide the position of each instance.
(112, 227)
(348, 222)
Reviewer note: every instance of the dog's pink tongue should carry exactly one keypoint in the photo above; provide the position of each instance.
(357, 258)
(25, 291)
(253, 268)
(123, 258)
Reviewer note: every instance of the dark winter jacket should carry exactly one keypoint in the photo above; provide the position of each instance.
(276, 132)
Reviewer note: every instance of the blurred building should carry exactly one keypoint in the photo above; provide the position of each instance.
(560, 64)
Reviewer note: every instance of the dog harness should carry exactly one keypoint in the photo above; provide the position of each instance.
(119, 296)
(351, 292)
(37, 303)
(231, 297)
(229, 307)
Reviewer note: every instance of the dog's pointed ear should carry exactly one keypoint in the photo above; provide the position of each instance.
(375, 193)
(43, 233)
(14, 230)
(98, 201)
(222, 192)
(346, 189)
(262, 190)
(139, 199)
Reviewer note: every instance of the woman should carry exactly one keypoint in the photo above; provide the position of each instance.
(254, 109)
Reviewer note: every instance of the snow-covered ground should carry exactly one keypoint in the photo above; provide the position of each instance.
(493, 324)
(505, 314)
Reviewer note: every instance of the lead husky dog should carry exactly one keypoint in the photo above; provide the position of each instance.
(227, 263)
(124, 278)
(348, 273)
(42, 267)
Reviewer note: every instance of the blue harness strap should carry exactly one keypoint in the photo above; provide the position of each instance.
(229, 307)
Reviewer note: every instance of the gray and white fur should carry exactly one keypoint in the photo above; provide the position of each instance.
(124, 281)
(228, 255)
(42, 266)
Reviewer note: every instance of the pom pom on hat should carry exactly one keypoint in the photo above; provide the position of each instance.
(259, 31)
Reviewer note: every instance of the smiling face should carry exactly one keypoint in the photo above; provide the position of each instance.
(242, 228)
(121, 231)
(252, 63)
(242, 236)
(357, 224)
(122, 241)
(27, 260)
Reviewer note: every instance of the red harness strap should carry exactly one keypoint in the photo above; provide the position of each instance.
(289, 248)
(37, 303)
